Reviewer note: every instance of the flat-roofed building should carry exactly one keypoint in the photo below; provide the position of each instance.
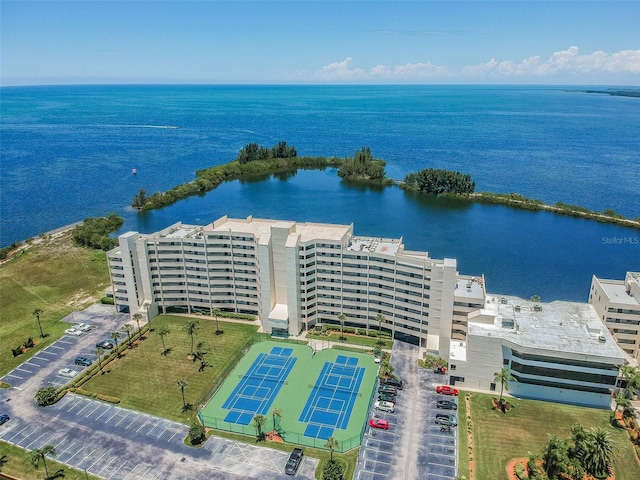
(558, 351)
(617, 303)
(291, 275)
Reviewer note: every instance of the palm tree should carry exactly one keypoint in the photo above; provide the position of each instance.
(191, 327)
(129, 329)
(622, 401)
(182, 384)
(163, 331)
(98, 353)
(137, 317)
(258, 422)
(40, 454)
(38, 313)
(216, 312)
(380, 318)
(342, 317)
(555, 457)
(332, 444)
(626, 372)
(502, 377)
(599, 452)
(200, 353)
(115, 336)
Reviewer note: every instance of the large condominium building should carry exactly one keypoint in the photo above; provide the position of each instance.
(293, 275)
(558, 351)
(617, 304)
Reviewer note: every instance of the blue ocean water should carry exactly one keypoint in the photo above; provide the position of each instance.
(68, 153)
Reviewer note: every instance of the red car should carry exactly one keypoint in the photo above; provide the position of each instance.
(446, 390)
(379, 423)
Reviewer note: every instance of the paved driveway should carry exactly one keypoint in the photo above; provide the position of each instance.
(414, 447)
(112, 442)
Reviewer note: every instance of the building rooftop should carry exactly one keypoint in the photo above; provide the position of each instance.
(565, 329)
(377, 245)
(616, 291)
(470, 288)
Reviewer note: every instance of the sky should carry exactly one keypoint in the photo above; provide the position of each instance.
(319, 42)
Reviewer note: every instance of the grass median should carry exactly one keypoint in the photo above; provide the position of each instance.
(500, 437)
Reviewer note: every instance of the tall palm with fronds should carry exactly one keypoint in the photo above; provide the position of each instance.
(182, 384)
(162, 332)
(332, 444)
(599, 452)
(115, 336)
(137, 317)
(191, 328)
(258, 422)
(216, 313)
(38, 313)
(342, 317)
(502, 377)
(98, 353)
(129, 329)
(41, 454)
(201, 348)
(380, 318)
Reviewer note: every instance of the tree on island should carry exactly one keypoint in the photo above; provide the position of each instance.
(139, 199)
(436, 181)
(363, 167)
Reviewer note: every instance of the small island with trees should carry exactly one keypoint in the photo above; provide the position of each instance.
(254, 161)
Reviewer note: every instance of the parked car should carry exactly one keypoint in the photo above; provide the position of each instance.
(84, 361)
(106, 344)
(85, 327)
(67, 372)
(384, 406)
(387, 389)
(447, 420)
(74, 331)
(439, 369)
(379, 423)
(446, 390)
(386, 397)
(294, 461)
(4, 418)
(447, 404)
(394, 382)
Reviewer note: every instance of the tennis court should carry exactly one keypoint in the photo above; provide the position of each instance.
(259, 386)
(305, 398)
(332, 397)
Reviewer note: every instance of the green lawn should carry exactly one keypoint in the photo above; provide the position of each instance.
(499, 437)
(17, 462)
(144, 369)
(55, 277)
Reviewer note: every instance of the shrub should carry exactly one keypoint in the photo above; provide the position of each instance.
(46, 396)
(29, 343)
(520, 471)
(107, 398)
(197, 434)
(107, 300)
(332, 470)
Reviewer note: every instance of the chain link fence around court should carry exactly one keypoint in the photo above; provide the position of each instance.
(272, 424)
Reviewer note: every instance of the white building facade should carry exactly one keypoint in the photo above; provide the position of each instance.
(617, 303)
(290, 275)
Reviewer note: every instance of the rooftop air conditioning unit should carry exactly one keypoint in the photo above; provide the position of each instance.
(517, 308)
(503, 301)
(602, 338)
(537, 308)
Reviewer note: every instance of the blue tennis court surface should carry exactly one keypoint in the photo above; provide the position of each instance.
(332, 397)
(259, 386)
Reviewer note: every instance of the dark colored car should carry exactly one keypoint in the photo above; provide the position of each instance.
(387, 389)
(84, 361)
(447, 420)
(447, 404)
(440, 370)
(294, 461)
(386, 398)
(106, 344)
(393, 382)
(4, 418)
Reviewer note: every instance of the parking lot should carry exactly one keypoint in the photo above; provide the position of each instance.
(112, 442)
(414, 446)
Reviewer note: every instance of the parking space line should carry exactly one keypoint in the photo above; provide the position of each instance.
(23, 370)
(48, 353)
(56, 347)
(107, 465)
(165, 429)
(13, 375)
(98, 459)
(17, 433)
(39, 437)
(140, 427)
(174, 434)
(128, 412)
(59, 454)
(121, 465)
(107, 408)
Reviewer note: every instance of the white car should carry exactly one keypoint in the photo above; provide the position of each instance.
(67, 372)
(85, 327)
(74, 331)
(385, 406)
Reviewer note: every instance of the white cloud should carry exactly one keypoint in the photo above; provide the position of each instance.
(562, 63)
(568, 61)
